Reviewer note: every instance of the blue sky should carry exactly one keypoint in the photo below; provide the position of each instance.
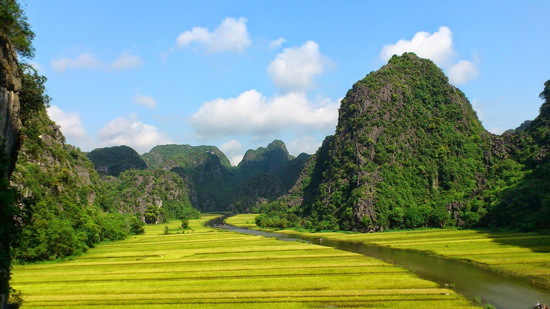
(239, 74)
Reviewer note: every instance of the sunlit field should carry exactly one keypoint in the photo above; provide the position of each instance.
(206, 267)
(524, 255)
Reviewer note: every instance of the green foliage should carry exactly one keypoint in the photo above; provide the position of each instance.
(9, 228)
(32, 97)
(151, 214)
(16, 299)
(13, 24)
(114, 160)
(185, 223)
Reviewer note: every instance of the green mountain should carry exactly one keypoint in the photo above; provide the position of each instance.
(408, 152)
(266, 174)
(263, 175)
(137, 191)
(525, 202)
(64, 210)
(205, 167)
(114, 160)
(272, 160)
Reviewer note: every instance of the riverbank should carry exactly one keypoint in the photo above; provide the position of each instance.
(212, 268)
(522, 255)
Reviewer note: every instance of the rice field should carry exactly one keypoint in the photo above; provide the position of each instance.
(525, 255)
(211, 268)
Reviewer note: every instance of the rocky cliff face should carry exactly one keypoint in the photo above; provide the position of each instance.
(48, 169)
(10, 85)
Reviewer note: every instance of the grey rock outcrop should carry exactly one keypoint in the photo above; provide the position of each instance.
(10, 85)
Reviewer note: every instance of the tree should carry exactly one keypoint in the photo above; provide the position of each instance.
(14, 25)
(32, 97)
(185, 224)
(545, 95)
(151, 214)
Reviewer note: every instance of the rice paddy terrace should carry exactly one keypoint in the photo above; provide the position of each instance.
(525, 255)
(207, 267)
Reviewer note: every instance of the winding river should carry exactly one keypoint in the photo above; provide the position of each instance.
(467, 279)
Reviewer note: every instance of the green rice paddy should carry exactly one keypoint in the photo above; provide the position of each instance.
(525, 255)
(214, 268)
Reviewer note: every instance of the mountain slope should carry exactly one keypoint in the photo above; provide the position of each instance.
(114, 160)
(408, 151)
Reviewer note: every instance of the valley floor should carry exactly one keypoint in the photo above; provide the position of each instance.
(207, 267)
(525, 255)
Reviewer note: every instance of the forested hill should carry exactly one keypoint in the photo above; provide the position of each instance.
(114, 160)
(219, 186)
(409, 151)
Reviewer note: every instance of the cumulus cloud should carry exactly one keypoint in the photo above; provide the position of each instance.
(145, 100)
(437, 47)
(230, 35)
(496, 130)
(71, 126)
(251, 112)
(295, 68)
(307, 144)
(89, 61)
(276, 43)
(83, 61)
(462, 72)
(233, 150)
(126, 61)
(132, 132)
(236, 160)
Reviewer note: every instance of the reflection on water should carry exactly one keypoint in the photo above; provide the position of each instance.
(467, 279)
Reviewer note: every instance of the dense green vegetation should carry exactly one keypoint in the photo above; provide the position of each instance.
(263, 175)
(8, 225)
(13, 24)
(525, 203)
(206, 267)
(163, 193)
(410, 152)
(61, 213)
(114, 160)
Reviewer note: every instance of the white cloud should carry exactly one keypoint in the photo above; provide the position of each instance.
(277, 43)
(145, 100)
(476, 105)
(89, 61)
(236, 160)
(233, 150)
(83, 61)
(253, 113)
(307, 144)
(131, 132)
(496, 130)
(126, 61)
(462, 72)
(231, 147)
(71, 126)
(230, 35)
(296, 67)
(438, 46)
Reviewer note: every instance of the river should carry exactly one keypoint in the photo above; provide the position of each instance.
(467, 279)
